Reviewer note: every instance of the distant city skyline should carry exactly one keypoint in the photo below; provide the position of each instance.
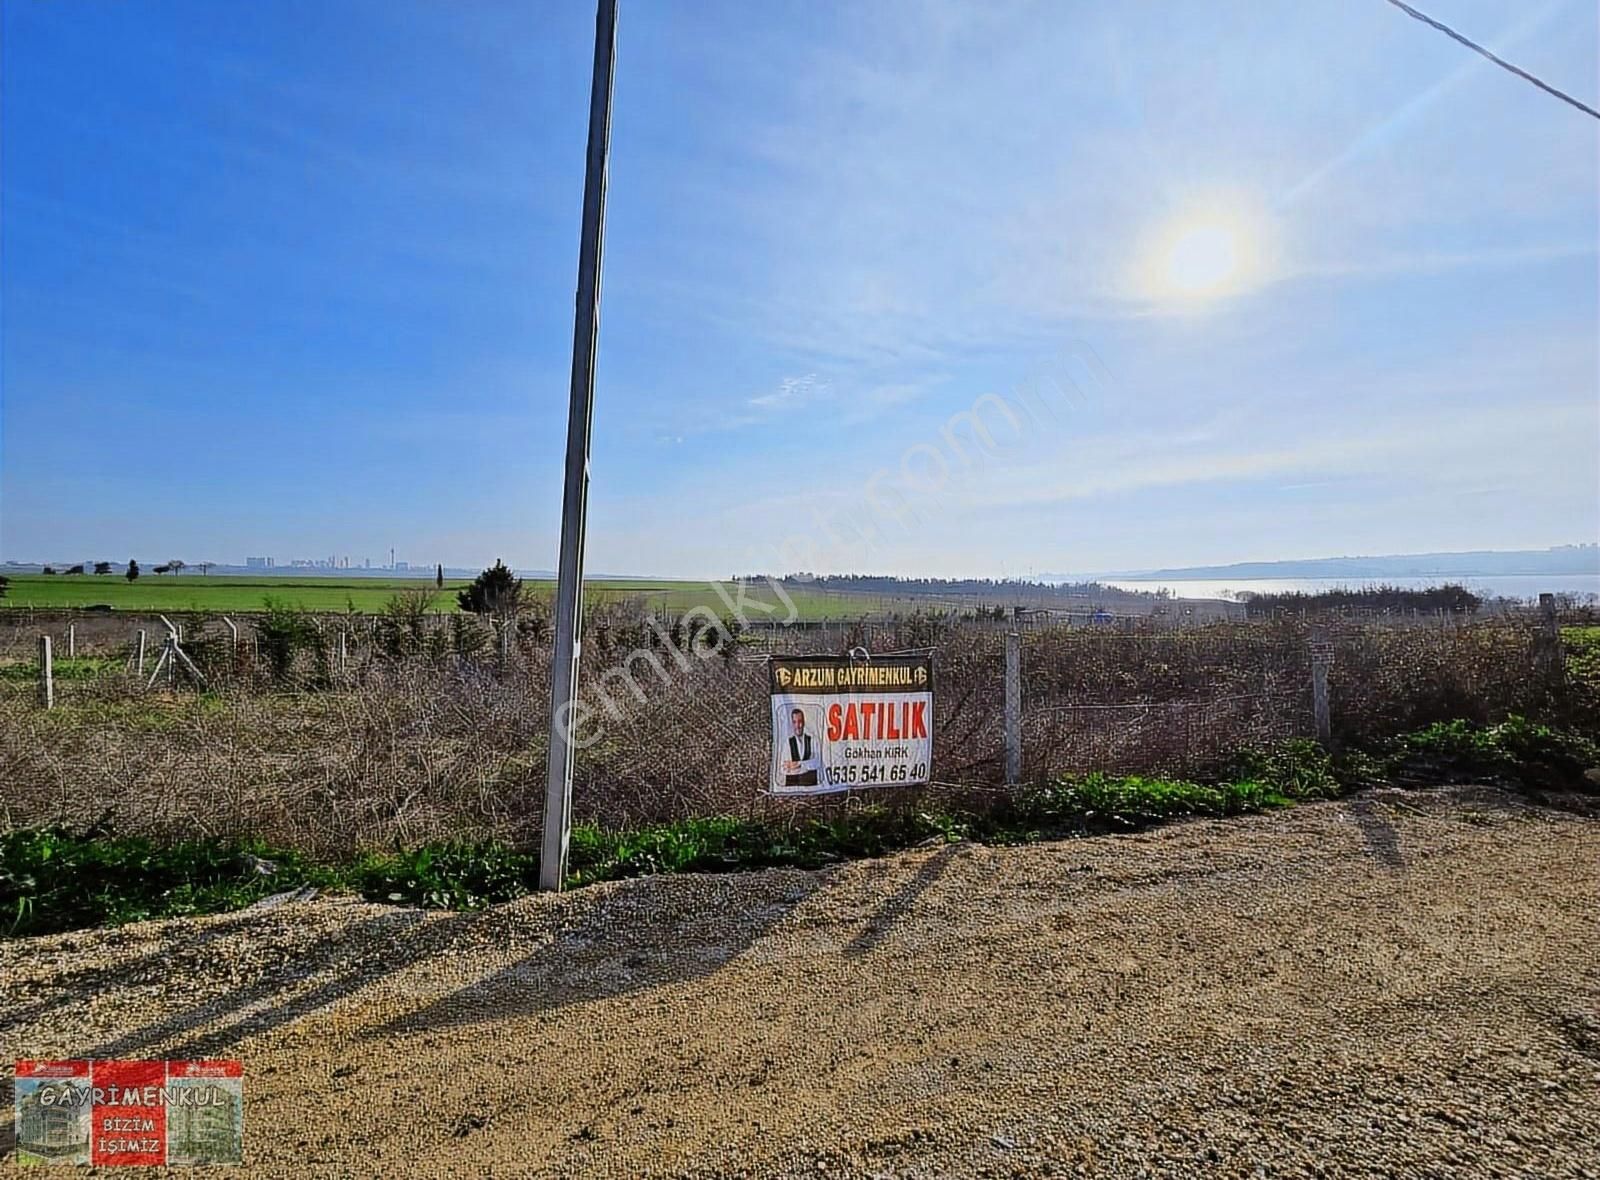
(1579, 558)
(295, 280)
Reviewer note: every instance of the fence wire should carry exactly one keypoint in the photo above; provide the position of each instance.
(442, 732)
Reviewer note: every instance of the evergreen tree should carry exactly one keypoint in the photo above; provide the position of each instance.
(133, 570)
(438, 576)
(496, 591)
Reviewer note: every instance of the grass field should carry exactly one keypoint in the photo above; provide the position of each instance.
(239, 594)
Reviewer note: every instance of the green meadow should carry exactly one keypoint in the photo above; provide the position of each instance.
(236, 593)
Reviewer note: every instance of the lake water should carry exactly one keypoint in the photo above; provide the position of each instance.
(1499, 586)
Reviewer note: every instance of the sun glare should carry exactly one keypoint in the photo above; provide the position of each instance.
(1209, 252)
(1203, 260)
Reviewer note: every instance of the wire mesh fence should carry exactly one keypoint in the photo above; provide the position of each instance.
(377, 732)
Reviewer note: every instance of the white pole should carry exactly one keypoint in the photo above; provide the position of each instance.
(575, 495)
(72, 641)
(47, 675)
(1013, 707)
(138, 662)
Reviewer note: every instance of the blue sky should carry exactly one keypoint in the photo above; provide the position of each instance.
(297, 278)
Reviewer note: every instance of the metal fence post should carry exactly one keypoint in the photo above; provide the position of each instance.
(1013, 707)
(1321, 660)
(47, 675)
(72, 641)
(138, 654)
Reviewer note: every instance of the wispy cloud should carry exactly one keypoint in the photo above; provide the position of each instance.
(792, 392)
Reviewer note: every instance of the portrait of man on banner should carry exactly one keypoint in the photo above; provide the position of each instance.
(802, 767)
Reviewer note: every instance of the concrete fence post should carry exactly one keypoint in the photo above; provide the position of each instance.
(72, 641)
(344, 656)
(47, 675)
(138, 654)
(1547, 646)
(1321, 661)
(1013, 707)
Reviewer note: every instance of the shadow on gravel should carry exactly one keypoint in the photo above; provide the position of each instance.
(72, 985)
(273, 1001)
(896, 906)
(612, 950)
(608, 950)
(1383, 842)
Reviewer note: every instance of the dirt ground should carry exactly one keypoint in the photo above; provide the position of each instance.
(1403, 984)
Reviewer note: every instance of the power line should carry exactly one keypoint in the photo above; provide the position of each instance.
(1499, 61)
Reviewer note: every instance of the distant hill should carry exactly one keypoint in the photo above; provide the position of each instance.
(1481, 563)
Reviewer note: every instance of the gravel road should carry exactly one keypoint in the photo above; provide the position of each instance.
(1403, 984)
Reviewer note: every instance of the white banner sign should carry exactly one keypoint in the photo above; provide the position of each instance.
(840, 723)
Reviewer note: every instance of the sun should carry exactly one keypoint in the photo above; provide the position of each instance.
(1204, 259)
(1205, 253)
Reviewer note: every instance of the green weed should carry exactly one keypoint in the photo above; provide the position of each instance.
(58, 879)
(1517, 751)
(54, 879)
(449, 876)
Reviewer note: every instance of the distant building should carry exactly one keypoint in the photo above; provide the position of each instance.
(258, 563)
(53, 1122)
(402, 565)
(205, 1127)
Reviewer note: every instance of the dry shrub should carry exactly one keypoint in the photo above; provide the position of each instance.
(1388, 679)
(415, 752)
(442, 742)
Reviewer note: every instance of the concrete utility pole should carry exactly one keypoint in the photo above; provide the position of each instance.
(575, 496)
